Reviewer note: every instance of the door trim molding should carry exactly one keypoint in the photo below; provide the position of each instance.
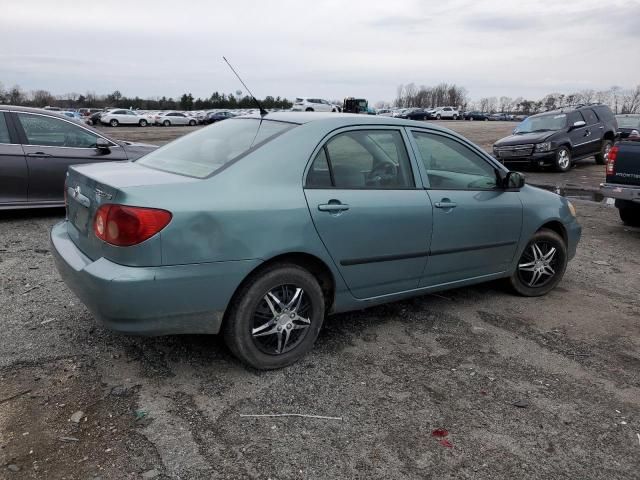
(485, 246)
(382, 258)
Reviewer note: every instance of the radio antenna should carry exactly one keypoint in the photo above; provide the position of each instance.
(263, 112)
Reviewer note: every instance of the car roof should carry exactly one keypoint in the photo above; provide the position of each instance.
(338, 120)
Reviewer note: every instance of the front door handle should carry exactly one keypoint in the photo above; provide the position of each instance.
(333, 207)
(445, 203)
(38, 154)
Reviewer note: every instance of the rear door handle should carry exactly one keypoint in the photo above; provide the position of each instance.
(38, 154)
(333, 207)
(445, 204)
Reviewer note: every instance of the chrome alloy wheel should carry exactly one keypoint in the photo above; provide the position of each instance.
(563, 159)
(538, 264)
(281, 320)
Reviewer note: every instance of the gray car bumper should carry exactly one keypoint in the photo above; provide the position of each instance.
(149, 300)
(621, 192)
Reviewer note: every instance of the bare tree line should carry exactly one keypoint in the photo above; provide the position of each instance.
(443, 94)
(620, 100)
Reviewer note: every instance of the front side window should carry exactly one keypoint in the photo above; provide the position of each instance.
(450, 165)
(590, 117)
(53, 132)
(205, 151)
(4, 130)
(361, 159)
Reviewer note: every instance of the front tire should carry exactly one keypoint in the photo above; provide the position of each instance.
(455, 117)
(438, 117)
(275, 317)
(563, 160)
(541, 265)
(166, 123)
(601, 157)
(309, 109)
(192, 123)
(142, 123)
(114, 123)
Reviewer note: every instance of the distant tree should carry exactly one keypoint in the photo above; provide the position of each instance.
(15, 96)
(42, 98)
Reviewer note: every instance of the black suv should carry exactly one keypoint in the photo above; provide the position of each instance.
(560, 137)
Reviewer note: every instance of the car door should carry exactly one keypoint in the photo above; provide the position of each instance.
(51, 144)
(13, 164)
(596, 128)
(373, 220)
(476, 224)
(581, 137)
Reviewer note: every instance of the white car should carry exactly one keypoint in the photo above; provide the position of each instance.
(168, 119)
(308, 104)
(449, 113)
(123, 117)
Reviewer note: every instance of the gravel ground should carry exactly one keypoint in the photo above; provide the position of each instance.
(525, 388)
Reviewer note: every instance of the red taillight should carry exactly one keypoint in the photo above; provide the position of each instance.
(124, 226)
(611, 160)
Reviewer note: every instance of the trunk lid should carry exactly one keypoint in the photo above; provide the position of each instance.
(90, 186)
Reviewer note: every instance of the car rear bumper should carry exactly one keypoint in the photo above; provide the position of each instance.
(621, 192)
(149, 300)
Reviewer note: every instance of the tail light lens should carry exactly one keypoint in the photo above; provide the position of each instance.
(124, 226)
(611, 160)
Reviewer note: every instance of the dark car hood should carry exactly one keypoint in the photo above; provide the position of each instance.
(520, 138)
(136, 150)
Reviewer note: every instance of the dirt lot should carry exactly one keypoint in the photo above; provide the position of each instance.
(526, 388)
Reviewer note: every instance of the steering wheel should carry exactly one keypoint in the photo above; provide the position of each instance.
(384, 173)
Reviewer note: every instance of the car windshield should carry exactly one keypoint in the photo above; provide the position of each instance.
(629, 122)
(542, 123)
(207, 150)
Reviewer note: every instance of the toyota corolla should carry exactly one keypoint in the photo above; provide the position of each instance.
(258, 227)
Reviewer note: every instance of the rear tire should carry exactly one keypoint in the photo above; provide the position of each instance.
(309, 109)
(295, 323)
(142, 123)
(532, 276)
(114, 123)
(192, 123)
(563, 160)
(166, 123)
(601, 157)
(455, 117)
(438, 117)
(630, 216)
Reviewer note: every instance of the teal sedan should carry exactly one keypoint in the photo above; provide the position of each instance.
(259, 227)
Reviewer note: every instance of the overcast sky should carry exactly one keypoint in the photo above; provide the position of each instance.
(324, 48)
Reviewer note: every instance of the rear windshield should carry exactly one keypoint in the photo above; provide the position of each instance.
(629, 122)
(207, 150)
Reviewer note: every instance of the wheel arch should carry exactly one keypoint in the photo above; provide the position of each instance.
(558, 227)
(313, 264)
(609, 135)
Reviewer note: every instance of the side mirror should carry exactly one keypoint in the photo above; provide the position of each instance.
(103, 145)
(578, 124)
(514, 180)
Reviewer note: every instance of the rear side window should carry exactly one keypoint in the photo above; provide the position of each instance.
(362, 159)
(205, 151)
(4, 130)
